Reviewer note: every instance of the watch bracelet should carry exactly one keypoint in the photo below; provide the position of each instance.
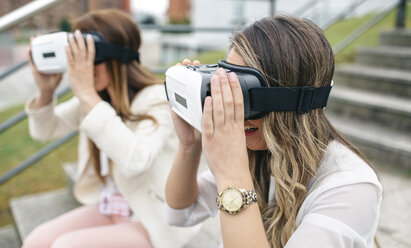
(250, 196)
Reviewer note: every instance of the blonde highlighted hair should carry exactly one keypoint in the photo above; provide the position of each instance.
(289, 52)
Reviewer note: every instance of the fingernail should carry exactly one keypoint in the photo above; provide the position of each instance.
(208, 100)
(221, 72)
(88, 36)
(232, 76)
(77, 31)
(71, 36)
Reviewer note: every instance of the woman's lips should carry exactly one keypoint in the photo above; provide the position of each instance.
(250, 130)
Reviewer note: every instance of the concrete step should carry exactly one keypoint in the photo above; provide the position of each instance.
(9, 237)
(387, 81)
(381, 145)
(385, 57)
(400, 38)
(387, 111)
(32, 210)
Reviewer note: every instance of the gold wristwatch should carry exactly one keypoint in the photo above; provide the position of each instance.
(233, 200)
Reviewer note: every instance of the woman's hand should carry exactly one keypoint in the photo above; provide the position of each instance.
(80, 60)
(223, 138)
(181, 187)
(47, 83)
(188, 136)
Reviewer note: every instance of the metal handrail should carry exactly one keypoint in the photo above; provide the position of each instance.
(36, 157)
(303, 9)
(22, 115)
(26, 11)
(363, 29)
(343, 14)
(184, 28)
(13, 69)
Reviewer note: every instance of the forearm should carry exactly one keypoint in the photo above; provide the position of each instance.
(244, 229)
(181, 187)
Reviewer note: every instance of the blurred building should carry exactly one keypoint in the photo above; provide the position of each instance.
(67, 11)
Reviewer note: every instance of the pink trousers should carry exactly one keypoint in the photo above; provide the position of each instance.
(86, 227)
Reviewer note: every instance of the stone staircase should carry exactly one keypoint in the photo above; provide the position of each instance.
(371, 100)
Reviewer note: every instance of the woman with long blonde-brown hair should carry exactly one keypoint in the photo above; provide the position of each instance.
(287, 179)
(125, 128)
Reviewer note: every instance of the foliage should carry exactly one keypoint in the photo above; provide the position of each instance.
(65, 25)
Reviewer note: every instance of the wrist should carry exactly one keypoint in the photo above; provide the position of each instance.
(191, 156)
(241, 180)
(46, 91)
(191, 148)
(42, 99)
(88, 101)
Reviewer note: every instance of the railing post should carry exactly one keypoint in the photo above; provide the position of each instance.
(402, 11)
(272, 8)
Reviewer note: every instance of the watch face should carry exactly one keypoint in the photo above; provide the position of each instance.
(232, 200)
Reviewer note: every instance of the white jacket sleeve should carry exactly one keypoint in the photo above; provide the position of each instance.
(133, 151)
(342, 217)
(50, 121)
(204, 207)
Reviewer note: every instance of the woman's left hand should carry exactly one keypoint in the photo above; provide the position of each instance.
(223, 136)
(80, 58)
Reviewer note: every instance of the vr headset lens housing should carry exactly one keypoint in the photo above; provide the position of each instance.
(188, 86)
(49, 56)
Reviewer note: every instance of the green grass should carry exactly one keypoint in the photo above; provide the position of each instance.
(46, 174)
(342, 29)
(16, 144)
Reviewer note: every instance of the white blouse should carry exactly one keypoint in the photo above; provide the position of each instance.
(341, 209)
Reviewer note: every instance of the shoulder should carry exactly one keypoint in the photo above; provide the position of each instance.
(345, 191)
(340, 166)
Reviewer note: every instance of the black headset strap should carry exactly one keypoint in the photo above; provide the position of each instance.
(299, 99)
(268, 99)
(120, 53)
(244, 69)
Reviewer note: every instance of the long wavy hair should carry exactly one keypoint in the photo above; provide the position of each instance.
(127, 78)
(291, 52)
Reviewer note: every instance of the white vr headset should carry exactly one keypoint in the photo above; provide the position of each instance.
(49, 55)
(187, 87)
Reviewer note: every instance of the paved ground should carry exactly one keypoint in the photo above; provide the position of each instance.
(395, 221)
(18, 87)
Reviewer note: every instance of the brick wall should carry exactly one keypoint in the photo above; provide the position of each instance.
(179, 11)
